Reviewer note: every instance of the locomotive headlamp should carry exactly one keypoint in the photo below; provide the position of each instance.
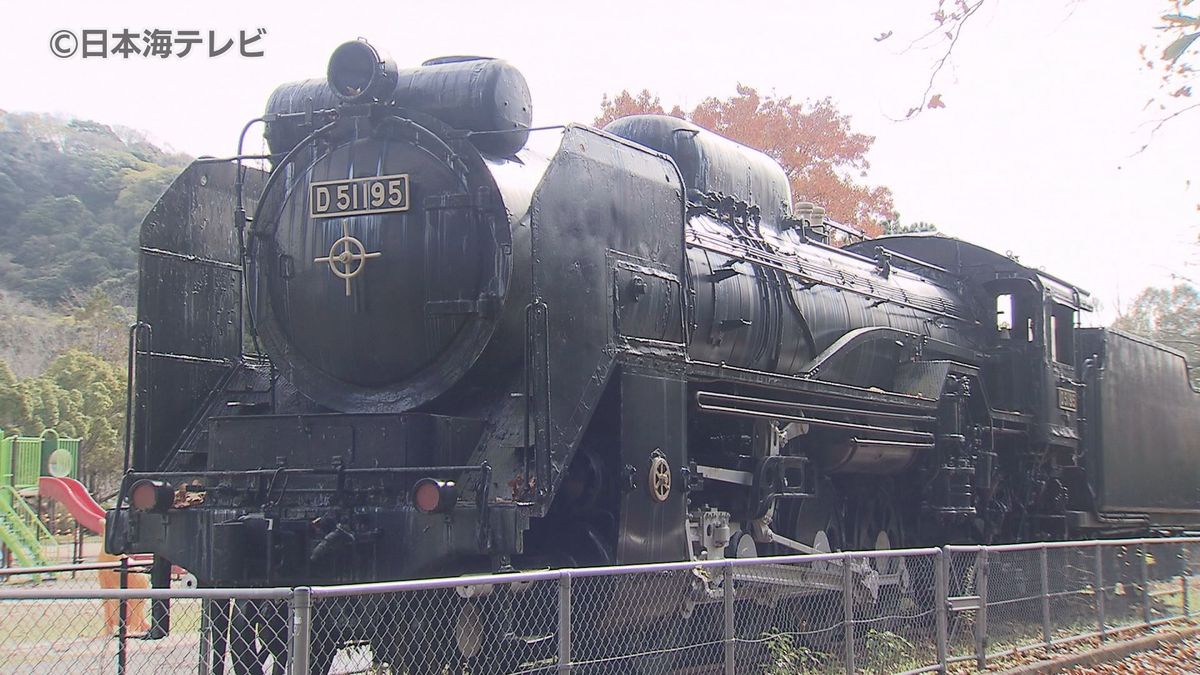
(151, 495)
(430, 495)
(358, 73)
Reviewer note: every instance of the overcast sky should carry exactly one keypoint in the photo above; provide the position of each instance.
(1034, 153)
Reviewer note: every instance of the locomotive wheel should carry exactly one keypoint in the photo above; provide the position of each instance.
(469, 630)
(818, 522)
(243, 644)
(256, 636)
(882, 533)
(328, 621)
(428, 639)
(483, 636)
(385, 645)
(890, 600)
(879, 530)
(656, 646)
(635, 627)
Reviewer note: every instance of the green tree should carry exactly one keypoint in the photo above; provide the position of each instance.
(100, 324)
(80, 396)
(14, 406)
(895, 225)
(1170, 316)
(140, 189)
(92, 404)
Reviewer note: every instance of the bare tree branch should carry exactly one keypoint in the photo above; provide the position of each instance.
(955, 32)
(1158, 124)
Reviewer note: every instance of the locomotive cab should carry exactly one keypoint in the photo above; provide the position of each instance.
(1015, 340)
(1032, 338)
(1029, 321)
(1064, 304)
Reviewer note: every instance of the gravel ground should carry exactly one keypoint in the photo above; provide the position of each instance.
(1180, 657)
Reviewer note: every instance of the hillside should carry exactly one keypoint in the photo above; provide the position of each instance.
(72, 195)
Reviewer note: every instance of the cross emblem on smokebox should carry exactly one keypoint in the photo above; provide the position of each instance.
(350, 260)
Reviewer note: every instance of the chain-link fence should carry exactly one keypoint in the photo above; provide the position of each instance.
(1013, 598)
(873, 612)
(105, 618)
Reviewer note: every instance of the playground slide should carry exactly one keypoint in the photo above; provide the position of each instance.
(71, 494)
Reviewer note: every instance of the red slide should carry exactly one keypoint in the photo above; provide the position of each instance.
(71, 494)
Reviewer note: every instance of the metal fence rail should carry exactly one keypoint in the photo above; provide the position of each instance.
(874, 612)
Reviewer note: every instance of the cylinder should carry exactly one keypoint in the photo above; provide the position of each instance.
(868, 456)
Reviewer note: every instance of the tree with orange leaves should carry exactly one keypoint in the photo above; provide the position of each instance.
(814, 143)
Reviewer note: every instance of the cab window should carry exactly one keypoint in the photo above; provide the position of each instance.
(1015, 319)
(1062, 334)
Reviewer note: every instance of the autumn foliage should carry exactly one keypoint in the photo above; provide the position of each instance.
(822, 156)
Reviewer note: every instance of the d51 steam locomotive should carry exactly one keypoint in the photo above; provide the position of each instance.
(417, 345)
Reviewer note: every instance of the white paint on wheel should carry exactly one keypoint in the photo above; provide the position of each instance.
(821, 544)
(883, 564)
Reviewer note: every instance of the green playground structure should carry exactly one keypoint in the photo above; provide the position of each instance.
(24, 460)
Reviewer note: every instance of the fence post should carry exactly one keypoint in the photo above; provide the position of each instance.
(981, 589)
(1100, 591)
(122, 618)
(727, 601)
(941, 575)
(848, 612)
(1045, 561)
(564, 622)
(1183, 581)
(301, 605)
(1144, 569)
(1184, 574)
(206, 644)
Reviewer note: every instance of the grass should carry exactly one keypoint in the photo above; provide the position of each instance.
(33, 622)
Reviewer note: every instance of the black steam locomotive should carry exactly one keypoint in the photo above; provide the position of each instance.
(418, 346)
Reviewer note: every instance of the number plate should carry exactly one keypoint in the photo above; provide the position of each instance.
(358, 196)
(1068, 399)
